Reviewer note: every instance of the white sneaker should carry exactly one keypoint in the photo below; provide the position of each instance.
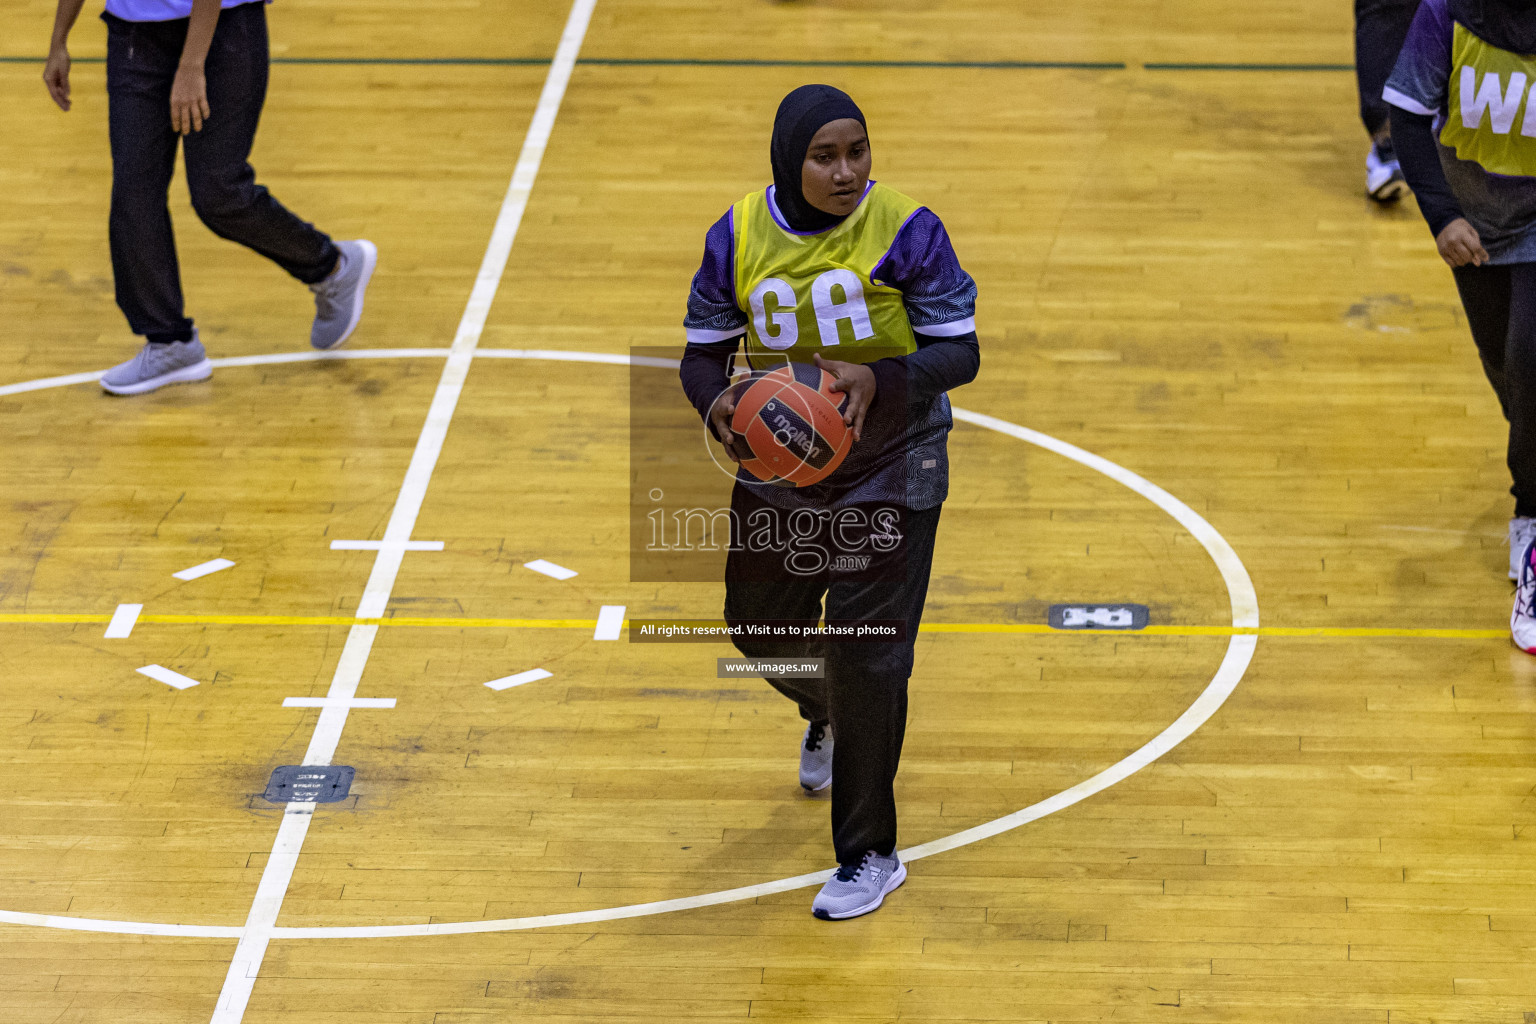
(1522, 530)
(1522, 620)
(856, 889)
(155, 366)
(339, 298)
(1384, 181)
(816, 757)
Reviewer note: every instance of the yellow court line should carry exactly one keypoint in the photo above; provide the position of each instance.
(1276, 631)
(1024, 628)
(44, 618)
(347, 620)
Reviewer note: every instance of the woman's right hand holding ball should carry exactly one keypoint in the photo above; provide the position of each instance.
(720, 416)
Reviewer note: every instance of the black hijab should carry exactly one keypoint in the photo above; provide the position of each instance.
(801, 115)
(1507, 24)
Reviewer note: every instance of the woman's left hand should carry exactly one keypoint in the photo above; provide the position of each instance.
(189, 99)
(858, 382)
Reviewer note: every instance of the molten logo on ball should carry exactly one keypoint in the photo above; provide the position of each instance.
(790, 422)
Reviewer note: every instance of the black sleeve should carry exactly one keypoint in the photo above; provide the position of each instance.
(706, 371)
(938, 365)
(1413, 136)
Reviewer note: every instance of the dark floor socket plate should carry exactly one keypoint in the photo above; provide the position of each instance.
(1098, 615)
(321, 784)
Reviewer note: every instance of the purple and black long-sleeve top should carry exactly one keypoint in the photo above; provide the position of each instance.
(902, 458)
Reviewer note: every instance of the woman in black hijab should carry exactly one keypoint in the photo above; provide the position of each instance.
(827, 262)
(1460, 83)
(801, 115)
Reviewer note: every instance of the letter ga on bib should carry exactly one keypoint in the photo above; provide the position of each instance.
(816, 293)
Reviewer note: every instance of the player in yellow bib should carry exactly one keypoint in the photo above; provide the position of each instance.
(1464, 124)
(814, 294)
(829, 267)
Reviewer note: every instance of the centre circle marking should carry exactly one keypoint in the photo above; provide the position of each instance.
(1240, 648)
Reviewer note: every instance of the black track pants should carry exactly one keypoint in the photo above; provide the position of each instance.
(864, 693)
(1501, 310)
(1380, 28)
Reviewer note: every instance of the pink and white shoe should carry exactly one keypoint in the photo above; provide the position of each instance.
(1522, 620)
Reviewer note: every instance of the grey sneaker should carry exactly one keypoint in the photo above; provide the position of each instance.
(859, 888)
(1522, 530)
(339, 298)
(816, 757)
(158, 365)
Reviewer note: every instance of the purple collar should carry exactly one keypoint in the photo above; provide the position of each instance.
(778, 218)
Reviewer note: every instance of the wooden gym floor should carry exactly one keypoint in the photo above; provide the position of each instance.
(1178, 273)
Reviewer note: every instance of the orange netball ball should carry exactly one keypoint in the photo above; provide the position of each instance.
(791, 421)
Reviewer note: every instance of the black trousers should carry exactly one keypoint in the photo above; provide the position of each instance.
(1501, 310)
(141, 65)
(864, 693)
(1380, 28)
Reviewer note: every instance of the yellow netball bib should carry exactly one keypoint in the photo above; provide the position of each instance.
(1488, 117)
(816, 293)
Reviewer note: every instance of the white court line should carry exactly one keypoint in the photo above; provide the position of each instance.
(611, 359)
(559, 572)
(43, 383)
(348, 354)
(199, 571)
(380, 545)
(121, 626)
(261, 921)
(610, 622)
(332, 702)
(1244, 604)
(161, 674)
(1245, 612)
(90, 377)
(533, 675)
(92, 924)
(337, 356)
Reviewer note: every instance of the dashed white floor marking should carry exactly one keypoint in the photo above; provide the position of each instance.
(559, 572)
(259, 925)
(381, 545)
(533, 675)
(336, 702)
(610, 622)
(207, 568)
(123, 620)
(1243, 599)
(161, 674)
